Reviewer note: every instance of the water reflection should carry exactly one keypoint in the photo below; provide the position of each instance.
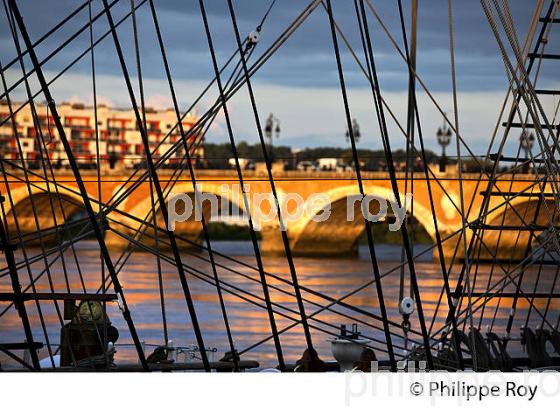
(332, 278)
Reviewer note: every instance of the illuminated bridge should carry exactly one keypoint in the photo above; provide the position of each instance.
(334, 236)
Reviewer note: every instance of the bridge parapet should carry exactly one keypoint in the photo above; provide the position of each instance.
(334, 235)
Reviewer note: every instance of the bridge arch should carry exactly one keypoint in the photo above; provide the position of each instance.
(512, 243)
(190, 230)
(47, 206)
(338, 235)
(144, 207)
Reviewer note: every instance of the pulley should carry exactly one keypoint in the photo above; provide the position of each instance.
(253, 38)
(406, 307)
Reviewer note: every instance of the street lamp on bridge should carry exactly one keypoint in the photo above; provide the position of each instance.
(271, 129)
(444, 138)
(526, 141)
(355, 131)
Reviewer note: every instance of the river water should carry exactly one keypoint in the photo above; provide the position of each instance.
(328, 278)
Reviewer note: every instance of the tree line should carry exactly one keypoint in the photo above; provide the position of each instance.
(216, 156)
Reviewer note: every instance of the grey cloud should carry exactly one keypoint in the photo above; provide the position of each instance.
(305, 60)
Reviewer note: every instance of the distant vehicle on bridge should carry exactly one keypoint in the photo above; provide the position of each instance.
(306, 166)
(331, 164)
(244, 163)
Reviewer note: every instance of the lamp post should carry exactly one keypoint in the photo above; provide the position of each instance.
(271, 129)
(295, 152)
(355, 131)
(444, 138)
(526, 141)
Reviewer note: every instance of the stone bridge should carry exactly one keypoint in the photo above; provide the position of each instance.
(335, 236)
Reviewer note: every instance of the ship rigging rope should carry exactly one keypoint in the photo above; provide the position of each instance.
(548, 302)
(235, 357)
(238, 84)
(464, 220)
(410, 52)
(527, 44)
(104, 341)
(214, 116)
(400, 127)
(440, 295)
(122, 265)
(539, 67)
(39, 187)
(240, 292)
(42, 148)
(488, 299)
(163, 207)
(371, 75)
(423, 85)
(65, 69)
(204, 124)
(265, 16)
(107, 258)
(512, 43)
(291, 28)
(393, 42)
(268, 163)
(14, 278)
(251, 51)
(33, 206)
(382, 99)
(56, 28)
(58, 49)
(150, 182)
(256, 250)
(422, 153)
(393, 181)
(550, 159)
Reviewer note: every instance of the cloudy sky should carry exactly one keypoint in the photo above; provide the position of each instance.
(299, 84)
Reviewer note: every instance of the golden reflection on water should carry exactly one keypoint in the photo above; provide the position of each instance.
(248, 320)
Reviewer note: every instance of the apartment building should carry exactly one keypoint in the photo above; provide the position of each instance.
(119, 143)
